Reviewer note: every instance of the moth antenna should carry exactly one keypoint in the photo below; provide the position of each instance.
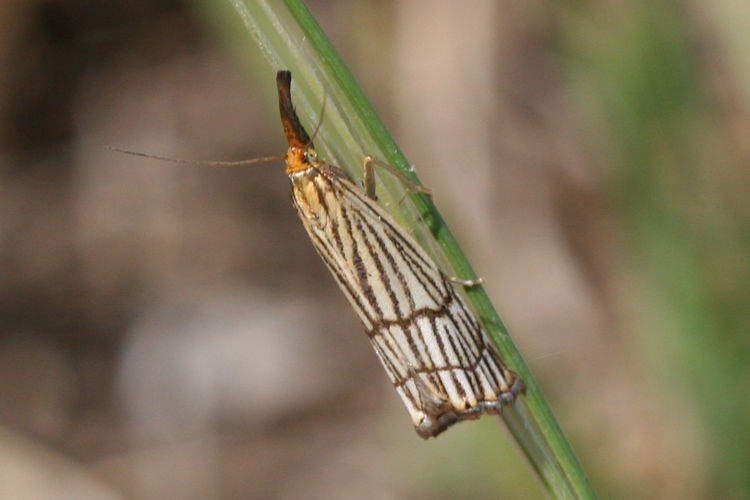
(320, 120)
(205, 163)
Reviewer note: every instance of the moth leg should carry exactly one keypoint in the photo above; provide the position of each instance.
(369, 178)
(466, 283)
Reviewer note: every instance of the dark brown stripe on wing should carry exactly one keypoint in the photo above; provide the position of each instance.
(359, 265)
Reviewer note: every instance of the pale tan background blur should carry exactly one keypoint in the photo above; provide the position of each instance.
(168, 331)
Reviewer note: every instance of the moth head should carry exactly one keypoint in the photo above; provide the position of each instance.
(300, 158)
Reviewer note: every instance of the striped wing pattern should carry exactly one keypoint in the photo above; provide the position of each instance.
(434, 350)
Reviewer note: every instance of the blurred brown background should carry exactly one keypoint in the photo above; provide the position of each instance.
(168, 331)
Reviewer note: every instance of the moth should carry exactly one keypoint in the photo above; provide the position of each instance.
(433, 348)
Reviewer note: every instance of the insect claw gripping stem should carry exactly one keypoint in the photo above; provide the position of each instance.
(467, 283)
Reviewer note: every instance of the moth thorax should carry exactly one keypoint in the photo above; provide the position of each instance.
(309, 197)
